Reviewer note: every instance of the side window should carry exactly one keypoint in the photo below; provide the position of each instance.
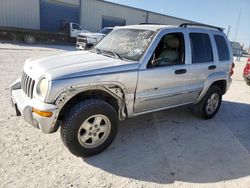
(222, 48)
(201, 48)
(75, 26)
(170, 51)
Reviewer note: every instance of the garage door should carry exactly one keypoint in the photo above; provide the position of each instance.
(53, 12)
(108, 21)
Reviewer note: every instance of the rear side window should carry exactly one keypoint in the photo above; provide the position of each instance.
(201, 48)
(222, 48)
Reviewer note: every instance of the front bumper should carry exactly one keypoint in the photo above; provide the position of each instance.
(83, 46)
(23, 106)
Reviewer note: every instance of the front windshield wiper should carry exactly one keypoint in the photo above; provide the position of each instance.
(104, 52)
(116, 54)
(97, 50)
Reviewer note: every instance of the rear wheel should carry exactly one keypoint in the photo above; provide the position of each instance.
(210, 104)
(29, 39)
(89, 128)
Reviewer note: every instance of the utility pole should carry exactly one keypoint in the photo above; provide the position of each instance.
(228, 30)
(237, 26)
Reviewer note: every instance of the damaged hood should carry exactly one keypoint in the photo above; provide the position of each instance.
(75, 64)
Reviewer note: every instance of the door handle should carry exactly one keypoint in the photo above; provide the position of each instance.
(211, 67)
(180, 71)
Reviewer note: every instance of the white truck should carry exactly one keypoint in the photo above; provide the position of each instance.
(87, 40)
(67, 34)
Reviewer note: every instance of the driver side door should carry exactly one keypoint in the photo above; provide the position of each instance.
(162, 85)
(75, 29)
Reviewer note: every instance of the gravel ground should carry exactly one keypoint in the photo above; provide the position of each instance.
(165, 149)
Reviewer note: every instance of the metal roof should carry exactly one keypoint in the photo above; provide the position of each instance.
(112, 3)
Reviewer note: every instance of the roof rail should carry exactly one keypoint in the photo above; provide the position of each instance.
(151, 24)
(202, 25)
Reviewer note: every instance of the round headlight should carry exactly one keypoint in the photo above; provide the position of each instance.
(42, 87)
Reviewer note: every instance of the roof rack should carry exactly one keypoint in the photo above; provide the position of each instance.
(151, 24)
(203, 25)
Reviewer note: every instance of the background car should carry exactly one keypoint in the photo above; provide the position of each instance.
(236, 46)
(245, 52)
(246, 72)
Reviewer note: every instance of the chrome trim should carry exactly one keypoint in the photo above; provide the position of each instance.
(159, 109)
(167, 95)
(27, 85)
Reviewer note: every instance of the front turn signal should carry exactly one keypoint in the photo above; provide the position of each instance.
(42, 113)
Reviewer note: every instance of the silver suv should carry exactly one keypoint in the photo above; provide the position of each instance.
(134, 70)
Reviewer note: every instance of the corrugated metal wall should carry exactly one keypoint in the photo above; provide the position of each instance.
(20, 13)
(158, 18)
(53, 12)
(26, 14)
(92, 12)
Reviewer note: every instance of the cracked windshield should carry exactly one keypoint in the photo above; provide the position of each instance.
(128, 44)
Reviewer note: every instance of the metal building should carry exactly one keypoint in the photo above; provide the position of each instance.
(52, 12)
(23, 14)
(96, 14)
(92, 15)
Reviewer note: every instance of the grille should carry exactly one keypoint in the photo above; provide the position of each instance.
(27, 85)
(81, 39)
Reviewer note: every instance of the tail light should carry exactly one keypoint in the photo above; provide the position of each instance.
(232, 69)
(248, 60)
(247, 69)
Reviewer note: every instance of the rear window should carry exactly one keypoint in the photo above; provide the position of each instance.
(222, 48)
(201, 48)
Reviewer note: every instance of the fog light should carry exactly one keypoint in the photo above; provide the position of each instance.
(42, 113)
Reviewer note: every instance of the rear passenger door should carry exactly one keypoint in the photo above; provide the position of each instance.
(202, 61)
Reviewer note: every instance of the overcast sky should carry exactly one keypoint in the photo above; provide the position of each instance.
(216, 12)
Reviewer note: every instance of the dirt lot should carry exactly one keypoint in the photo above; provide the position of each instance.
(165, 149)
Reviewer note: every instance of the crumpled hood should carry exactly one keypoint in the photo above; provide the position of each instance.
(75, 64)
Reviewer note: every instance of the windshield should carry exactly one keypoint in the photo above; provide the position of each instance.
(127, 44)
(105, 31)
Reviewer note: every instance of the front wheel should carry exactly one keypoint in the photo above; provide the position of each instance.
(89, 128)
(210, 104)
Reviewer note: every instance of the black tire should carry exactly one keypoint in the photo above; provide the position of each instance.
(80, 113)
(200, 108)
(248, 83)
(29, 39)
